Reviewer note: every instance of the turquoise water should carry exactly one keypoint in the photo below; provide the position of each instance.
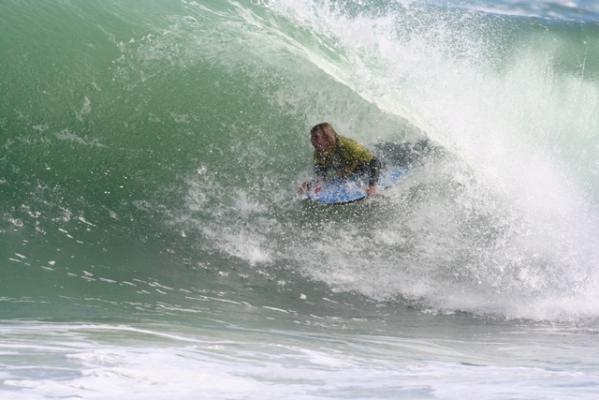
(152, 244)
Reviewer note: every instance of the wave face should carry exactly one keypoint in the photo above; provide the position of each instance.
(150, 156)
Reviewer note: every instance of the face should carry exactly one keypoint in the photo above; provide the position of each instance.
(322, 141)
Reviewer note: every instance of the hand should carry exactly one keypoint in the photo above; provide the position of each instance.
(371, 190)
(303, 188)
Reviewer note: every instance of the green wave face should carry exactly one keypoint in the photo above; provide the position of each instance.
(150, 154)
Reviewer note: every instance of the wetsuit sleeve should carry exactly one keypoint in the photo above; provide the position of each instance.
(319, 171)
(319, 167)
(371, 170)
(374, 171)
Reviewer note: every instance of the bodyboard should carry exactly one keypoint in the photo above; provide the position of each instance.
(343, 191)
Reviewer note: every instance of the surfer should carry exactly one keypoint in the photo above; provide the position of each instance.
(336, 156)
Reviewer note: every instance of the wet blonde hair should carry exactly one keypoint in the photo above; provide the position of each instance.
(327, 129)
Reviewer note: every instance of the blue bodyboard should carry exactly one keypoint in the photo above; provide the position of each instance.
(342, 191)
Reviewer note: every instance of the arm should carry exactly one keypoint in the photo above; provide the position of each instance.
(319, 173)
(374, 171)
(373, 168)
(370, 170)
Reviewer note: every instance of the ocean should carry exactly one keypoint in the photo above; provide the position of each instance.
(153, 246)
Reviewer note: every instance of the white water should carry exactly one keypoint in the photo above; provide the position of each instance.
(112, 361)
(531, 246)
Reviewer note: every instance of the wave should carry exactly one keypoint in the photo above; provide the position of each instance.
(175, 135)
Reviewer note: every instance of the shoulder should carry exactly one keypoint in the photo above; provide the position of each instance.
(353, 147)
(347, 143)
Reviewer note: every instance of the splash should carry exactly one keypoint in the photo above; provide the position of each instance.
(505, 224)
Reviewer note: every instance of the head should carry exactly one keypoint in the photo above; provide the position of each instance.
(323, 137)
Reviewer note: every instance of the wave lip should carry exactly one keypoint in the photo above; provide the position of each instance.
(556, 10)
